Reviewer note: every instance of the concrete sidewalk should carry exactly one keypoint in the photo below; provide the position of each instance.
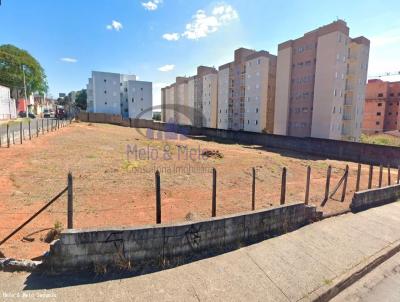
(297, 266)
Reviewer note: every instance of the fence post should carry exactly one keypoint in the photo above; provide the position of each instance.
(253, 191)
(20, 132)
(70, 202)
(358, 178)
(345, 183)
(130, 122)
(389, 177)
(158, 198)
(47, 125)
(8, 136)
(214, 194)
(37, 128)
(371, 172)
(398, 174)
(29, 122)
(380, 176)
(327, 184)
(13, 136)
(283, 186)
(307, 185)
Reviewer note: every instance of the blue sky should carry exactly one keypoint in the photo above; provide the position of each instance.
(71, 38)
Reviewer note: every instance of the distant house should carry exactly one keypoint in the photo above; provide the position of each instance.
(8, 109)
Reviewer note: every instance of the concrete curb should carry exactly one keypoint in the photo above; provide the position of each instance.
(342, 282)
(14, 265)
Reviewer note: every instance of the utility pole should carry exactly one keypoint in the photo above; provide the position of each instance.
(26, 100)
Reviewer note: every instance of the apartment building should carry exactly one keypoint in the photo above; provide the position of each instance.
(381, 111)
(8, 109)
(120, 94)
(192, 100)
(315, 73)
(209, 105)
(246, 91)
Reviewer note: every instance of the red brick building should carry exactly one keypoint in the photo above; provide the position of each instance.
(381, 110)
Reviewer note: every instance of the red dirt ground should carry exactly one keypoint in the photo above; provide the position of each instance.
(109, 190)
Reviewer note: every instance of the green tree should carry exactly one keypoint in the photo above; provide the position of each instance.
(12, 61)
(81, 99)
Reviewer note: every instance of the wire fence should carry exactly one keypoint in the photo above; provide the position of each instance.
(17, 132)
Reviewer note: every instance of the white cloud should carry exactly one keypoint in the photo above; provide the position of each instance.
(115, 25)
(69, 60)
(171, 37)
(166, 68)
(203, 24)
(152, 4)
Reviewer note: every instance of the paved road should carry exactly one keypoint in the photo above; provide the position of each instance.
(292, 267)
(382, 284)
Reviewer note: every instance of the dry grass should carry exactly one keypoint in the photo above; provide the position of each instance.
(112, 190)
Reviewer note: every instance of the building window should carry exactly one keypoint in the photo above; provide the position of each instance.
(105, 81)
(105, 103)
(380, 95)
(377, 123)
(378, 113)
(256, 122)
(248, 122)
(256, 110)
(105, 91)
(379, 104)
(133, 100)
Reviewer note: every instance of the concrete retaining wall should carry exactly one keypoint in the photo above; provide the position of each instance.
(364, 200)
(326, 148)
(170, 245)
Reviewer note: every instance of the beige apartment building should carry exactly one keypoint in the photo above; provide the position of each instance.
(246, 91)
(315, 75)
(168, 104)
(192, 100)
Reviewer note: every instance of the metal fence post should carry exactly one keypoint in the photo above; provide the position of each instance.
(253, 191)
(42, 126)
(37, 128)
(328, 181)
(345, 183)
(8, 136)
(398, 174)
(389, 177)
(306, 198)
(371, 173)
(20, 132)
(158, 198)
(70, 202)
(29, 123)
(358, 178)
(283, 186)
(214, 194)
(380, 176)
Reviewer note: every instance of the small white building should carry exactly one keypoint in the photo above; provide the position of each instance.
(120, 94)
(8, 109)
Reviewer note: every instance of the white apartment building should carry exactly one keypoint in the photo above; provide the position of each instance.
(120, 94)
(8, 109)
(354, 100)
(192, 100)
(210, 100)
(260, 92)
(223, 98)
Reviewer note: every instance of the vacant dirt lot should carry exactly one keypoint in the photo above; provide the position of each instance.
(110, 190)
